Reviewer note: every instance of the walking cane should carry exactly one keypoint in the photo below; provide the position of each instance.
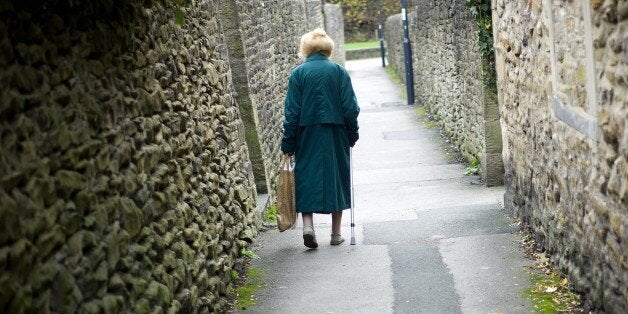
(352, 197)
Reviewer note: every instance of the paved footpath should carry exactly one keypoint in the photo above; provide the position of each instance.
(429, 238)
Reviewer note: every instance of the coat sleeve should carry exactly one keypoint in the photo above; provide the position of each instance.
(350, 108)
(292, 112)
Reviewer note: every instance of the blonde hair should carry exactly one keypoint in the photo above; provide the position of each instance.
(316, 41)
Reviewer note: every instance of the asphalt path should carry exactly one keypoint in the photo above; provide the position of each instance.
(430, 239)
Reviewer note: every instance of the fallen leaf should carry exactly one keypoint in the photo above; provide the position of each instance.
(551, 289)
(564, 282)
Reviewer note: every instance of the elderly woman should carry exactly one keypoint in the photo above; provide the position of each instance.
(320, 125)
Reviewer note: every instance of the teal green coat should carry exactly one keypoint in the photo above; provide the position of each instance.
(320, 125)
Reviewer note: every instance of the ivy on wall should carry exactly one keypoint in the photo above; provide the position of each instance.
(481, 13)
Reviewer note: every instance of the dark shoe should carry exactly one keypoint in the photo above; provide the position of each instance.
(309, 238)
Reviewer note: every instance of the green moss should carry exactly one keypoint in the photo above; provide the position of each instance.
(246, 293)
(421, 111)
(581, 75)
(550, 294)
(430, 124)
(394, 76)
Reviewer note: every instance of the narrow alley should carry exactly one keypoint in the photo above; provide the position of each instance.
(430, 239)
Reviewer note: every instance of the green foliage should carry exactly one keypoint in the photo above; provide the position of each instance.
(270, 215)
(234, 275)
(481, 13)
(248, 253)
(474, 166)
(361, 16)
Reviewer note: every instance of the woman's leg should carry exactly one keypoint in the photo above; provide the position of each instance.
(309, 238)
(336, 221)
(308, 219)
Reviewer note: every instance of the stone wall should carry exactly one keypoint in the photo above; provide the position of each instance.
(269, 34)
(126, 181)
(126, 184)
(562, 92)
(314, 14)
(335, 27)
(263, 39)
(393, 35)
(363, 53)
(447, 79)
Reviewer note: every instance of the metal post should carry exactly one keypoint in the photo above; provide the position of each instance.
(407, 53)
(380, 33)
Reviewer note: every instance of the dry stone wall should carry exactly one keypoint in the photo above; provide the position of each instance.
(393, 35)
(126, 184)
(126, 181)
(268, 58)
(447, 79)
(270, 32)
(562, 79)
(334, 24)
(314, 14)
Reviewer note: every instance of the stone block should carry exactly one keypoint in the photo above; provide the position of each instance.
(50, 240)
(70, 181)
(66, 294)
(9, 219)
(132, 219)
(142, 306)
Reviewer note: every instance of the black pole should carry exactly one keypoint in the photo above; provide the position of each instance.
(380, 33)
(407, 53)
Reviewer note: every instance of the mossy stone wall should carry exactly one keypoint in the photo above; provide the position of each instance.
(125, 181)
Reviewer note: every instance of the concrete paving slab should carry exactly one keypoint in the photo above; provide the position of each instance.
(488, 272)
(330, 279)
(440, 223)
(426, 286)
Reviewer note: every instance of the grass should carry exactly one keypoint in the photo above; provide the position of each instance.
(246, 293)
(362, 44)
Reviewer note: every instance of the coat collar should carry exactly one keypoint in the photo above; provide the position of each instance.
(316, 56)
